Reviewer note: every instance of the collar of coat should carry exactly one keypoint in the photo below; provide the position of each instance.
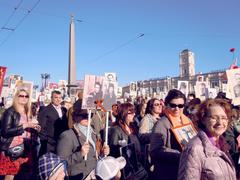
(212, 151)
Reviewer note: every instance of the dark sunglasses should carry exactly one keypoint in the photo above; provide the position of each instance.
(23, 96)
(157, 104)
(171, 105)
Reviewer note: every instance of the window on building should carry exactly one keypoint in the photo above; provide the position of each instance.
(185, 71)
(214, 84)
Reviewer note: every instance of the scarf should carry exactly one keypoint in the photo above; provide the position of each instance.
(177, 121)
(83, 129)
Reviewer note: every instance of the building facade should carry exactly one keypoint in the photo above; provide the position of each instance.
(160, 86)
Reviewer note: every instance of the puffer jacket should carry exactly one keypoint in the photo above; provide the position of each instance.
(204, 161)
(9, 128)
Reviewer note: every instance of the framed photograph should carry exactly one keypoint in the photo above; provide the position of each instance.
(111, 77)
(129, 153)
(201, 89)
(184, 133)
(93, 90)
(233, 76)
(183, 87)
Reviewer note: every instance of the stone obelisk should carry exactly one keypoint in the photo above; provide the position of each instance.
(72, 62)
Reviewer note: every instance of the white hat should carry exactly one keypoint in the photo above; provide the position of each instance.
(108, 167)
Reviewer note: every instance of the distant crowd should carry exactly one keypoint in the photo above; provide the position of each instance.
(177, 137)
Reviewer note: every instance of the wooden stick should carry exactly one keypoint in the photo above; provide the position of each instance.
(88, 129)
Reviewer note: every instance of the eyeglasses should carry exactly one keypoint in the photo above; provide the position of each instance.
(157, 104)
(171, 105)
(23, 96)
(214, 119)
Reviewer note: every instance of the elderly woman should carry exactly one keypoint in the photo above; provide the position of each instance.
(17, 128)
(164, 147)
(153, 112)
(206, 156)
(72, 147)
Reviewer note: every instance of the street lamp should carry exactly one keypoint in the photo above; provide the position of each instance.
(44, 77)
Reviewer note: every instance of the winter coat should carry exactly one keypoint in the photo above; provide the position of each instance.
(202, 160)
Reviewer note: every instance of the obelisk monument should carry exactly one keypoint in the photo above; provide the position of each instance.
(72, 62)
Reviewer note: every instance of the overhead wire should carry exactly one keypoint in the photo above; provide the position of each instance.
(20, 21)
(118, 47)
(10, 17)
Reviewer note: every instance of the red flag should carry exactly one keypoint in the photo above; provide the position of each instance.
(2, 74)
(232, 49)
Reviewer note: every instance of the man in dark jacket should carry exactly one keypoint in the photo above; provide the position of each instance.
(53, 121)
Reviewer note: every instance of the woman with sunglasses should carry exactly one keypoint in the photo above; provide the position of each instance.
(72, 147)
(125, 131)
(152, 115)
(206, 156)
(164, 147)
(123, 141)
(16, 129)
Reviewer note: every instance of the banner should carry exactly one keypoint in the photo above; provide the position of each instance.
(2, 74)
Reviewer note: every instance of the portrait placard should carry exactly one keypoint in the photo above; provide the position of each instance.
(183, 87)
(111, 77)
(129, 153)
(233, 76)
(201, 89)
(92, 91)
(184, 133)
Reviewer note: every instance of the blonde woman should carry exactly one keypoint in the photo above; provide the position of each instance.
(15, 129)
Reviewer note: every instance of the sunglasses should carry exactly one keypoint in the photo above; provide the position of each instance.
(23, 96)
(157, 104)
(131, 112)
(171, 105)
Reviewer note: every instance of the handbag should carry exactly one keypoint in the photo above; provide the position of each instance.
(16, 151)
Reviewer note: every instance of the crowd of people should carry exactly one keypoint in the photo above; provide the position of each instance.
(177, 137)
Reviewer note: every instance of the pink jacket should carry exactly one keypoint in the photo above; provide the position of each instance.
(202, 160)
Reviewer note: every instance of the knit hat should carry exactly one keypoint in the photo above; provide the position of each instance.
(49, 163)
(108, 167)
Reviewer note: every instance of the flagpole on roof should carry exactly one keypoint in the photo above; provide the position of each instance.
(232, 50)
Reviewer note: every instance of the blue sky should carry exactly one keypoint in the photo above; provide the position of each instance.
(107, 39)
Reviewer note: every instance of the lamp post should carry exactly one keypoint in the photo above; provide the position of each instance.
(44, 77)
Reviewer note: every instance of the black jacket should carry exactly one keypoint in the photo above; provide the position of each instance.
(51, 127)
(10, 127)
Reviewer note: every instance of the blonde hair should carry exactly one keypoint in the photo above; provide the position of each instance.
(16, 106)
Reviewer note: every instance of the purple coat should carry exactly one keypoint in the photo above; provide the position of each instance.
(202, 160)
